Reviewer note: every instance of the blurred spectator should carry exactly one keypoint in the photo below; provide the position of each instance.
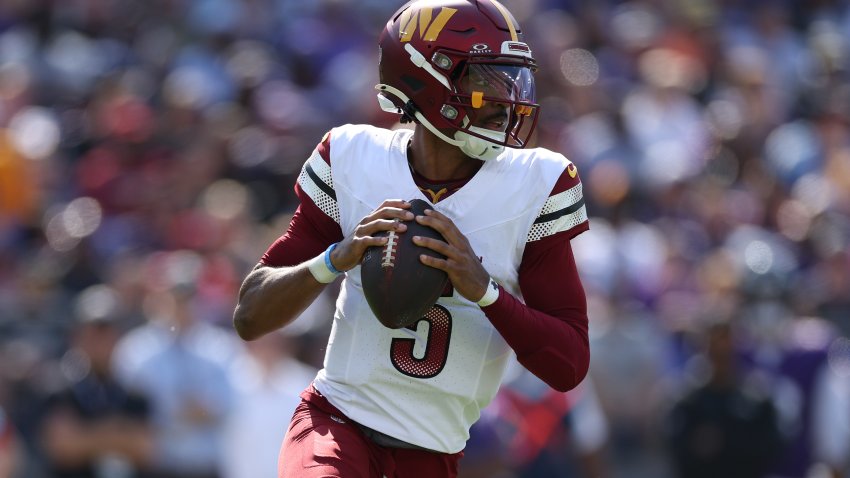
(9, 454)
(728, 426)
(267, 381)
(831, 420)
(95, 428)
(628, 361)
(180, 363)
(807, 392)
(531, 431)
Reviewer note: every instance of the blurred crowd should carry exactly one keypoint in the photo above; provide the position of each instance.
(147, 158)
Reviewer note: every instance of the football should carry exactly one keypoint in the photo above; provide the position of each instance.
(398, 286)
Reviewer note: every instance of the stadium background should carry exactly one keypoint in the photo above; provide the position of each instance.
(153, 145)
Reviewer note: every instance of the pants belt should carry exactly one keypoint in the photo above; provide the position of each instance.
(385, 440)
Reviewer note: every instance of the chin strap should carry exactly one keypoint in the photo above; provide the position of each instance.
(478, 147)
(472, 146)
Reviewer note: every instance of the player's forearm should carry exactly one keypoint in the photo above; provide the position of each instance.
(272, 297)
(555, 349)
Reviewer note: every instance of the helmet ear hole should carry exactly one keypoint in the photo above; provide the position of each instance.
(413, 83)
(457, 72)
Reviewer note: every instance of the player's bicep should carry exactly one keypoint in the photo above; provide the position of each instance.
(549, 279)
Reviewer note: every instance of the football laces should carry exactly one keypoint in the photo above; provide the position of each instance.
(388, 259)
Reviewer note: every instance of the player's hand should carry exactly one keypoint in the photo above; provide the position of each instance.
(468, 276)
(390, 215)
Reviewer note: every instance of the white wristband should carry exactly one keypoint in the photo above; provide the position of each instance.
(491, 295)
(318, 266)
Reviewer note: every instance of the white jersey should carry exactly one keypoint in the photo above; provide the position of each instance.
(427, 386)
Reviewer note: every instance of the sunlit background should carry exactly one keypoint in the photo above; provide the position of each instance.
(148, 154)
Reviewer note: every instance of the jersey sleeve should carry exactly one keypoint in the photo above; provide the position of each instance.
(316, 181)
(315, 224)
(563, 214)
(549, 332)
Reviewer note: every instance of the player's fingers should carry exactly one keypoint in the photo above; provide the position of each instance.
(378, 225)
(435, 262)
(441, 224)
(436, 220)
(396, 213)
(437, 214)
(435, 245)
(450, 267)
(393, 208)
(399, 203)
(369, 241)
(388, 213)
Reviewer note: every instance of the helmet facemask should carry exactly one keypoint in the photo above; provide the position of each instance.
(495, 103)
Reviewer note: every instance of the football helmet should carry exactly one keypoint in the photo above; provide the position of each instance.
(461, 69)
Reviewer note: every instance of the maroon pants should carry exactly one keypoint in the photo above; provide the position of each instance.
(323, 443)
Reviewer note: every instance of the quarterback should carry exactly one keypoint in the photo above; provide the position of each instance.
(399, 403)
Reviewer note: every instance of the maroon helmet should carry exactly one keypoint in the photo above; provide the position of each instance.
(461, 69)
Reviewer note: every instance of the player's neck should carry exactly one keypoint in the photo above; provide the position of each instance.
(437, 160)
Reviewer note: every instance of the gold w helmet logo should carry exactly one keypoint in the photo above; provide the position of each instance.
(421, 18)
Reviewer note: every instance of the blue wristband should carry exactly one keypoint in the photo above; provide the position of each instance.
(328, 259)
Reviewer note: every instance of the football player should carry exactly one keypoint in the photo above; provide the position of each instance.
(399, 403)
